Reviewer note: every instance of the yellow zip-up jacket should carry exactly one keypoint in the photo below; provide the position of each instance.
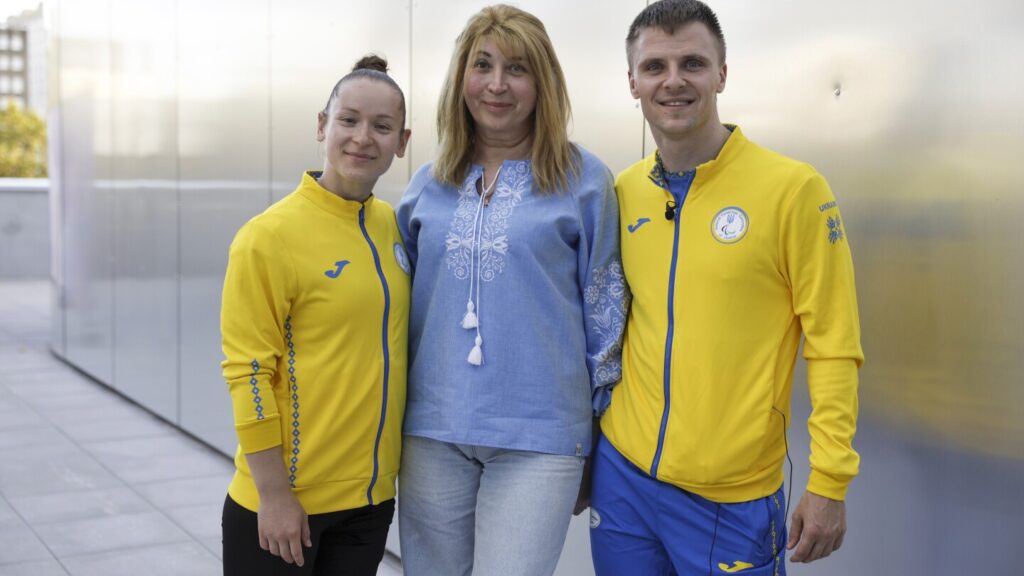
(755, 257)
(314, 322)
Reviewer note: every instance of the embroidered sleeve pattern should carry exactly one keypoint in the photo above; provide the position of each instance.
(605, 293)
(606, 301)
(257, 400)
(254, 306)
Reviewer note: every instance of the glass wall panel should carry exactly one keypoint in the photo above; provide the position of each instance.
(224, 166)
(145, 177)
(87, 145)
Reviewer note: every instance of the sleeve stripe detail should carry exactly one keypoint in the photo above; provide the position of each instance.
(294, 387)
(256, 389)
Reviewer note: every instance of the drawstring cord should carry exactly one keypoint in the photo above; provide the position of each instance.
(471, 319)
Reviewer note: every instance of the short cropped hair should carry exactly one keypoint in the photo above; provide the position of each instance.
(670, 15)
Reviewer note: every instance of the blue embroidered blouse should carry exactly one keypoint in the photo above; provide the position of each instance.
(549, 295)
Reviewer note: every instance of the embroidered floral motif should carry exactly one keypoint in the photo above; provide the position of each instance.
(835, 229)
(513, 182)
(659, 174)
(607, 300)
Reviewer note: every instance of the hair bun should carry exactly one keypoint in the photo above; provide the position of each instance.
(372, 62)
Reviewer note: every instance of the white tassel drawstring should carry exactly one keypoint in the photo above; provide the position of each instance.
(476, 355)
(471, 319)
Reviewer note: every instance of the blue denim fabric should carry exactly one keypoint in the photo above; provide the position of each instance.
(552, 308)
(483, 511)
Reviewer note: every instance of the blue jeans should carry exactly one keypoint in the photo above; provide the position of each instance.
(484, 511)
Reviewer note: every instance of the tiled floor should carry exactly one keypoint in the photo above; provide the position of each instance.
(89, 482)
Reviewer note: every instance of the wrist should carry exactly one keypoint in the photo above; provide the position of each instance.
(275, 493)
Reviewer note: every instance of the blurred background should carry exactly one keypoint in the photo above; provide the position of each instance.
(171, 122)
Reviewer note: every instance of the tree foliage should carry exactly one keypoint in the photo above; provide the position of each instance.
(22, 143)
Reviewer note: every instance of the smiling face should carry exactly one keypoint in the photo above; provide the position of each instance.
(499, 91)
(677, 78)
(362, 132)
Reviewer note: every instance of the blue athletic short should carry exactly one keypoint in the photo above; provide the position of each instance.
(639, 525)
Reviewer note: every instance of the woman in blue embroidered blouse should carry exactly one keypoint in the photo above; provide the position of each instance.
(518, 309)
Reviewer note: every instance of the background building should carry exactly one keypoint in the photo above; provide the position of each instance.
(23, 61)
(13, 67)
(24, 235)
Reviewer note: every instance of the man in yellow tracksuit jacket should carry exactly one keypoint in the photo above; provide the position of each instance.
(732, 253)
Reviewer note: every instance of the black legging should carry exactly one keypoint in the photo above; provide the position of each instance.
(345, 543)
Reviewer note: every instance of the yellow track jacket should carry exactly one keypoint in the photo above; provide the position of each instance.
(314, 322)
(755, 257)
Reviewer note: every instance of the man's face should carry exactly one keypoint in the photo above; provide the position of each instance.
(677, 78)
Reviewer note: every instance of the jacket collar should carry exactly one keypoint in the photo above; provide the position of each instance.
(330, 202)
(658, 174)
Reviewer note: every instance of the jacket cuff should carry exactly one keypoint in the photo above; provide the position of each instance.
(824, 485)
(260, 435)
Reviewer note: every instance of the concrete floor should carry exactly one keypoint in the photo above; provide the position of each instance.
(90, 483)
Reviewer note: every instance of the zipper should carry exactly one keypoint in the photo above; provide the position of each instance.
(670, 333)
(387, 355)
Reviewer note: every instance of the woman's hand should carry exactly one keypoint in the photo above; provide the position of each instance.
(283, 526)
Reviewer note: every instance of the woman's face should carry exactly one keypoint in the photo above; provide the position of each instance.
(499, 91)
(362, 132)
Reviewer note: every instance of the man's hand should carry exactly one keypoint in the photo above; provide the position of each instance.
(283, 527)
(818, 527)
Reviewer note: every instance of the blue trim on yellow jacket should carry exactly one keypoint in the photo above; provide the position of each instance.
(256, 389)
(294, 388)
(679, 192)
(387, 353)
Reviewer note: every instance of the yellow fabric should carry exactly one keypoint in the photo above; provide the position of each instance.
(279, 298)
(740, 310)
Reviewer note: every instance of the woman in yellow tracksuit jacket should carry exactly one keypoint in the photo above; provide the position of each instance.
(314, 327)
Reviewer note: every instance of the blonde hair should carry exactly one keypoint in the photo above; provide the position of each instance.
(516, 33)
